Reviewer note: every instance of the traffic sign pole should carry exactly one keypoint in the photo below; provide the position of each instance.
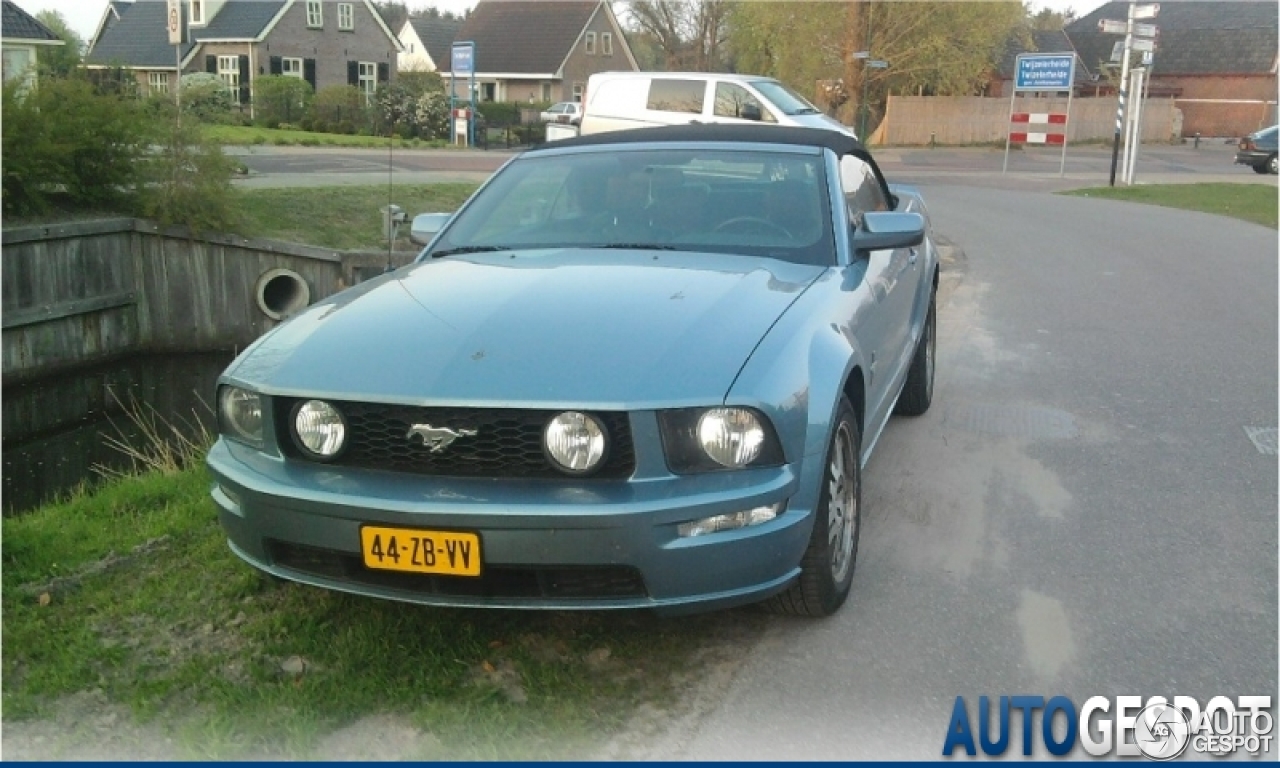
(1124, 81)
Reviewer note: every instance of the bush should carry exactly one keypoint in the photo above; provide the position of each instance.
(280, 100)
(339, 109)
(500, 113)
(190, 180)
(67, 139)
(432, 115)
(205, 97)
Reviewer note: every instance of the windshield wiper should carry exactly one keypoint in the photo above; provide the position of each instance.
(467, 249)
(638, 246)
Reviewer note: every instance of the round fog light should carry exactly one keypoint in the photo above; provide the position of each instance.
(320, 428)
(732, 437)
(575, 442)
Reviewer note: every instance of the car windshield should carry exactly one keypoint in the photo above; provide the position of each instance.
(751, 201)
(786, 100)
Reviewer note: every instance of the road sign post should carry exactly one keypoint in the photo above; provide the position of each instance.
(1136, 12)
(462, 61)
(1053, 72)
(177, 36)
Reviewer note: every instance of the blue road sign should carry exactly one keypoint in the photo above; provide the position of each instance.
(1045, 72)
(463, 59)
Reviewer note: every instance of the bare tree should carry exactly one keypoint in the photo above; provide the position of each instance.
(690, 33)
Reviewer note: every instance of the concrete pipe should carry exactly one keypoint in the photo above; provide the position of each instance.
(281, 292)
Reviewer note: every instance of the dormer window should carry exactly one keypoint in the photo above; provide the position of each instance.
(196, 12)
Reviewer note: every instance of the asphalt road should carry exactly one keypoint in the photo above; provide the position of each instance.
(1080, 513)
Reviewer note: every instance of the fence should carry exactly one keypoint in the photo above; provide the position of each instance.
(921, 120)
(76, 294)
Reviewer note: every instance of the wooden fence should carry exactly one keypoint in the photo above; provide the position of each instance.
(80, 293)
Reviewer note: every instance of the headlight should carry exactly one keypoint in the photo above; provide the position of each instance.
(710, 439)
(320, 429)
(732, 437)
(575, 442)
(240, 415)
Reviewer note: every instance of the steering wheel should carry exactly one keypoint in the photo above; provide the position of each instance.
(752, 223)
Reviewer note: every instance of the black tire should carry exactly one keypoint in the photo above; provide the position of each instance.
(1262, 168)
(917, 392)
(826, 570)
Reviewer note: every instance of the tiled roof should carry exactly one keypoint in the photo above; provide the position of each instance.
(1042, 41)
(1197, 37)
(19, 24)
(524, 37)
(437, 35)
(139, 39)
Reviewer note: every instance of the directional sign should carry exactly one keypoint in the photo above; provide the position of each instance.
(463, 59)
(1112, 27)
(1045, 72)
(1143, 44)
(1146, 11)
(1146, 30)
(1117, 52)
(862, 54)
(878, 64)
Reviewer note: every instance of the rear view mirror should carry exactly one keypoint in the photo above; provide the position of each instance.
(751, 112)
(426, 225)
(887, 229)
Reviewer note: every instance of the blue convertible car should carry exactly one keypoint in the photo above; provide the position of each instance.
(640, 369)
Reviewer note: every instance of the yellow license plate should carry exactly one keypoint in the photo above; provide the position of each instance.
(414, 551)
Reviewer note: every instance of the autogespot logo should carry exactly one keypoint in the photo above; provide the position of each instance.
(1128, 727)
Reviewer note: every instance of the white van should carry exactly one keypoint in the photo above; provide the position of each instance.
(616, 101)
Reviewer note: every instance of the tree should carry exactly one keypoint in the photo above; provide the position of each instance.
(689, 33)
(1047, 19)
(60, 60)
(940, 47)
(393, 12)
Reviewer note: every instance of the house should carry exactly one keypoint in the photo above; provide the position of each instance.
(21, 38)
(541, 51)
(1217, 60)
(426, 42)
(323, 42)
(1034, 41)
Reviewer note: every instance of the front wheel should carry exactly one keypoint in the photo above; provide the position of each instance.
(917, 392)
(826, 570)
(1271, 166)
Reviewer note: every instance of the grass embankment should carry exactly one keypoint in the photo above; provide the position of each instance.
(343, 218)
(1250, 202)
(131, 591)
(248, 135)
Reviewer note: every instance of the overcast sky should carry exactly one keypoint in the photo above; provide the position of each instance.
(83, 15)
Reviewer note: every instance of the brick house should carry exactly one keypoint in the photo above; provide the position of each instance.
(425, 42)
(542, 51)
(21, 38)
(321, 41)
(1217, 60)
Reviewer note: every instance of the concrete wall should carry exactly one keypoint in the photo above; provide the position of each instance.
(81, 293)
(911, 120)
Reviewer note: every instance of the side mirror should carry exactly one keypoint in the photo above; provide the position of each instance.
(882, 230)
(426, 225)
(751, 112)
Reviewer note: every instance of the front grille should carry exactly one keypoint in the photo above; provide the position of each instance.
(502, 582)
(507, 443)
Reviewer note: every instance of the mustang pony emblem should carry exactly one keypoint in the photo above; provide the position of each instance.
(437, 438)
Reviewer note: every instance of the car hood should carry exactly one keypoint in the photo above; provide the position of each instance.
(593, 328)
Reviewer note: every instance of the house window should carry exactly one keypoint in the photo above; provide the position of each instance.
(346, 17)
(17, 64)
(229, 72)
(368, 79)
(546, 91)
(197, 11)
(315, 14)
(606, 43)
(577, 91)
(291, 67)
(591, 43)
(158, 82)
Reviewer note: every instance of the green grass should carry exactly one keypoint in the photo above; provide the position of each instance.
(247, 135)
(146, 604)
(344, 218)
(1250, 202)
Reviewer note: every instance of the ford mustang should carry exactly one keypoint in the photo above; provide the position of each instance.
(640, 369)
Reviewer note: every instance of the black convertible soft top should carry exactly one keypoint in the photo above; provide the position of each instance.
(840, 143)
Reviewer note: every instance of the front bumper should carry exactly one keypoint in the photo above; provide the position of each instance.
(544, 544)
(1252, 157)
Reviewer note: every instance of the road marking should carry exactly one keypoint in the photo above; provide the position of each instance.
(1264, 439)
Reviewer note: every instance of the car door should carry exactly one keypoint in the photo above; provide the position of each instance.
(732, 103)
(886, 333)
